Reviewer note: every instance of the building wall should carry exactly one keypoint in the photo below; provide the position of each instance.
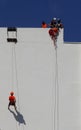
(46, 81)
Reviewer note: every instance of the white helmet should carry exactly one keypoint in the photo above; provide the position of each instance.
(54, 18)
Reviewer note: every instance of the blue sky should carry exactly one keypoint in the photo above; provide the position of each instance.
(31, 13)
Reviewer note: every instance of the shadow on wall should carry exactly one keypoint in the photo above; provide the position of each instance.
(18, 117)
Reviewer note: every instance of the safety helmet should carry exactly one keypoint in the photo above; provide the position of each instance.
(54, 18)
(11, 93)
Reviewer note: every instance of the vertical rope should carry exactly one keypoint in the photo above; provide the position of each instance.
(16, 76)
(56, 95)
(57, 92)
(12, 71)
(12, 68)
(17, 84)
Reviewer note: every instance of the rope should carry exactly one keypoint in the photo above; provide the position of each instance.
(12, 65)
(16, 76)
(17, 85)
(55, 91)
(12, 71)
(55, 99)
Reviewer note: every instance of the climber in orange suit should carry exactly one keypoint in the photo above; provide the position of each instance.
(12, 100)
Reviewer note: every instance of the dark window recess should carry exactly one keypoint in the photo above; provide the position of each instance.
(12, 40)
(11, 29)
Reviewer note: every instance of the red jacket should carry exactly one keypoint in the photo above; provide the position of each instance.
(12, 98)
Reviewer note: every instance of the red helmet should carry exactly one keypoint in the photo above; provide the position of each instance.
(11, 93)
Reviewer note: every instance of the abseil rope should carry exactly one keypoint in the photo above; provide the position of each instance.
(12, 68)
(56, 94)
(17, 85)
(13, 79)
(16, 75)
(57, 91)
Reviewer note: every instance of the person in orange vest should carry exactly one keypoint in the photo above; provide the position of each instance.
(44, 25)
(12, 100)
